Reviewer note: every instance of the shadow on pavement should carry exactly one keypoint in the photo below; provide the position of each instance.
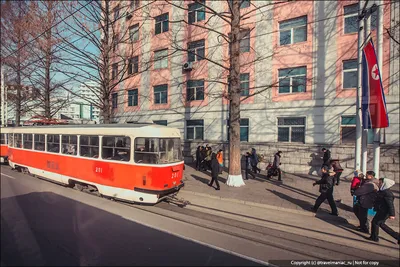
(48, 229)
(305, 205)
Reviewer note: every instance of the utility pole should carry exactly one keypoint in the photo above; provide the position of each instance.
(364, 156)
(359, 89)
(377, 133)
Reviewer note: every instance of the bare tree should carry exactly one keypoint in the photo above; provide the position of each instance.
(103, 51)
(15, 55)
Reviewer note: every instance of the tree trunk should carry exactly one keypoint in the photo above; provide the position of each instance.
(235, 176)
(106, 112)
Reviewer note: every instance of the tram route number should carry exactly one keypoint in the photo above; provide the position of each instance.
(99, 170)
(175, 175)
(52, 165)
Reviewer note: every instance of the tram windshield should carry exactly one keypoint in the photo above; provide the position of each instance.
(157, 150)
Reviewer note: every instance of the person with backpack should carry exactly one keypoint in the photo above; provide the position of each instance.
(366, 195)
(385, 210)
(337, 169)
(326, 190)
(275, 169)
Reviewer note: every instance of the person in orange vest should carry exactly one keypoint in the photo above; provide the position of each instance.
(220, 158)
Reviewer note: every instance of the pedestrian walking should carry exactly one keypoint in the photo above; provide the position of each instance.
(214, 171)
(249, 167)
(198, 158)
(326, 190)
(356, 182)
(384, 207)
(220, 158)
(337, 169)
(366, 195)
(207, 158)
(326, 158)
(254, 161)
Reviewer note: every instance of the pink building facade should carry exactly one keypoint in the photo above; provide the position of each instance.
(298, 77)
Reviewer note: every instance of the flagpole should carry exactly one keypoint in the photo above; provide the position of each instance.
(359, 90)
(364, 147)
(377, 133)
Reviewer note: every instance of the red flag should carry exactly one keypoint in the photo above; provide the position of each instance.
(373, 97)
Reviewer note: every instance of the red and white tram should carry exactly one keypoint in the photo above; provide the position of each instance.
(3, 146)
(136, 162)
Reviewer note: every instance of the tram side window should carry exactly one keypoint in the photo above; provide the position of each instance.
(89, 146)
(53, 143)
(40, 142)
(116, 148)
(69, 144)
(10, 140)
(28, 138)
(2, 139)
(146, 150)
(18, 140)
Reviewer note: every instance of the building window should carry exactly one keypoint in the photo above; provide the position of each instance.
(244, 84)
(134, 33)
(161, 94)
(116, 13)
(293, 31)
(244, 3)
(116, 148)
(133, 65)
(133, 98)
(348, 131)
(350, 74)
(245, 41)
(195, 130)
(195, 90)
(197, 12)
(351, 18)
(114, 73)
(196, 51)
(292, 80)
(135, 4)
(291, 129)
(161, 59)
(161, 122)
(374, 19)
(114, 100)
(244, 130)
(162, 23)
(53, 143)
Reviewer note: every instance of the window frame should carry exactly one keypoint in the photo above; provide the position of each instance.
(160, 20)
(160, 122)
(292, 29)
(114, 100)
(244, 81)
(89, 145)
(3, 138)
(160, 92)
(44, 142)
(133, 97)
(194, 127)
(194, 9)
(53, 142)
(158, 59)
(115, 147)
(133, 65)
(23, 142)
(244, 126)
(290, 128)
(135, 4)
(69, 143)
(349, 70)
(370, 131)
(114, 71)
(134, 37)
(355, 14)
(291, 80)
(245, 37)
(197, 49)
(195, 89)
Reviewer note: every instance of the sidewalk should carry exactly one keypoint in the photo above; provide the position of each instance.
(294, 194)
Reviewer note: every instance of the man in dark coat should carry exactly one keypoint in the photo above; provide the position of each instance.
(337, 169)
(249, 166)
(254, 161)
(277, 163)
(326, 158)
(214, 171)
(385, 210)
(326, 190)
(198, 157)
(366, 195)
